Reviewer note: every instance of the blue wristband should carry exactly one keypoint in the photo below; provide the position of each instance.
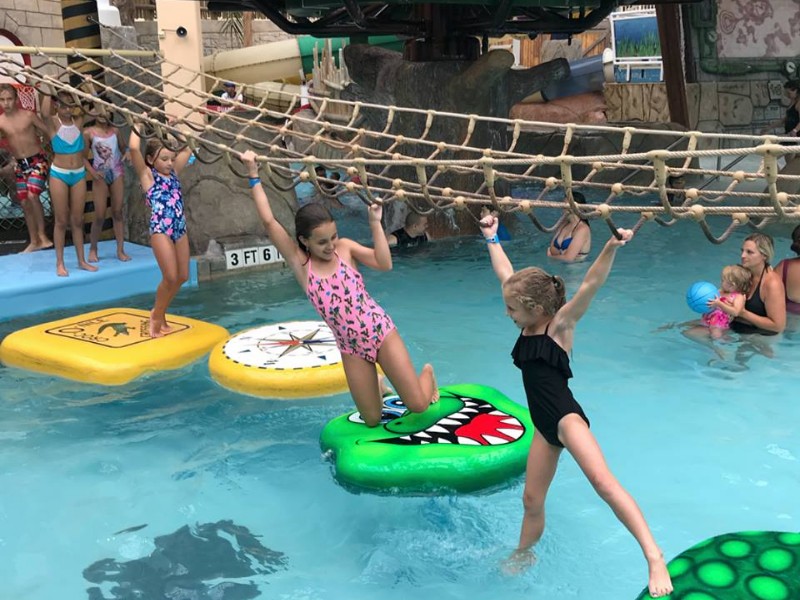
(493, 240)
(254, 181)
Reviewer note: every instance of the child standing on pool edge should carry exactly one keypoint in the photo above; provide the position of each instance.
(158, 171)
(324, 266)
(536, 302)
(104, 141)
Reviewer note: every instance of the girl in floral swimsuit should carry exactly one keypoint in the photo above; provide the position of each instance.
(325, 267)
(158, 171)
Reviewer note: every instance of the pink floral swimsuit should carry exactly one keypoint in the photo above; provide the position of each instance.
(166, 205)
(358, 323)
(719, 318)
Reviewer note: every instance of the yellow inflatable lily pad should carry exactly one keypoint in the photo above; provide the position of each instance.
(296, 359)
(111, 346)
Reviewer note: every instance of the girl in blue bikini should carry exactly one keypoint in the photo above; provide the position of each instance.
(67, 176)
(158, 171)
(573, 239)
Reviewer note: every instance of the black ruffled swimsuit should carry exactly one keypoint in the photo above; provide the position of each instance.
(545, 371)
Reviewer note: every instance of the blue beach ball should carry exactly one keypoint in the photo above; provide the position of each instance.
(698, 295)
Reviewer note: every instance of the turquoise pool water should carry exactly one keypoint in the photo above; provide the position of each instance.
(705, 445)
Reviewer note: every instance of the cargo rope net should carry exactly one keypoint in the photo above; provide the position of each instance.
(373, 157)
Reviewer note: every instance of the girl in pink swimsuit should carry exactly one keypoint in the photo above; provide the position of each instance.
(734, 286)
(325, 267)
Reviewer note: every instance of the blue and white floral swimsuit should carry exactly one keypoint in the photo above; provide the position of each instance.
(166, 203)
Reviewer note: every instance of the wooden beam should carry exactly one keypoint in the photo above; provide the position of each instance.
(671, 38)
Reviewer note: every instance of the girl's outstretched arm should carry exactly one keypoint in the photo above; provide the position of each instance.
(500, 263)
(278, 235)
(595, 277)
(137, 160)
(378, 257)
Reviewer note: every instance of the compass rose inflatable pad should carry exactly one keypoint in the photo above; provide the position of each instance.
(111, 346)
(473, 438)
(296, 359)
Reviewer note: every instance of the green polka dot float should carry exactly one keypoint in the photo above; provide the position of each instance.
(747, 565)
(473, 438)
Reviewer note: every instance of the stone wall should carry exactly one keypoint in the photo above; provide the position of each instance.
(35, 23)
(646, 102)
(214, 39)
(722, 106)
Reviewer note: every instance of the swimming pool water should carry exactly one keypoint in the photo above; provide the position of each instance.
(706, 445)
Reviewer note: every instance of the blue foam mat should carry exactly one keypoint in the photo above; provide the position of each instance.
(30, 284)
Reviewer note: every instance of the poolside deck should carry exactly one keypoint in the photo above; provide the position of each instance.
(30, 284)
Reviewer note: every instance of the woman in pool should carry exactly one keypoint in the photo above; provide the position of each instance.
(536, 302)
(573, 240)
(764, 310)
(789, 272)
(325, 267)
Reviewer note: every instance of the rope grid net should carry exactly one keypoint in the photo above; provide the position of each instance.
(437, 174)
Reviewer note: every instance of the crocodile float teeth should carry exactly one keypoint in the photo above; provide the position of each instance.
(512, 433)
(437, 429)
(478, 423)
(468, 441)
(494, 441)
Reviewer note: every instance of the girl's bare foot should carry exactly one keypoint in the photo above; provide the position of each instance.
(155, 326)
(383, 386)
(518, 562)
(122, 256)
(165, 328)
(86, 266)
(660, 583)
(61, 271)
(93, 256)
(428, 368)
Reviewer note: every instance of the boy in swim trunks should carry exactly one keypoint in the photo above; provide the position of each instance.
(22, 129)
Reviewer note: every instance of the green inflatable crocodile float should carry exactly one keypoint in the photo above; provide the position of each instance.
(472, 439)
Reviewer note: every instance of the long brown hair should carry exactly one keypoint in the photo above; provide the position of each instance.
(307, 219)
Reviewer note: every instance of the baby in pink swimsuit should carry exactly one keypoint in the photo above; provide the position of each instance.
(735, 286)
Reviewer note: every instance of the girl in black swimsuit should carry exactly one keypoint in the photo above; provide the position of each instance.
(536, 303)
